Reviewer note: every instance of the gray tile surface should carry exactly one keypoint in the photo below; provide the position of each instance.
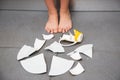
(102, 29)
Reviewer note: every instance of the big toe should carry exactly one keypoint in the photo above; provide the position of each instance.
(60, 29)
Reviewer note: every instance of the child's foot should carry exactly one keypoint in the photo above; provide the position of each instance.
(52, 23)
(65, 22)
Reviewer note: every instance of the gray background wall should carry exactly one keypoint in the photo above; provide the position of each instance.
(77, 5)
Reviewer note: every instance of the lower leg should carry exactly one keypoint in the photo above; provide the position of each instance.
(52, 23)
(65, 18)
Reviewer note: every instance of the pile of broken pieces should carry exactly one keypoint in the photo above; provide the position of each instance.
(59, 65)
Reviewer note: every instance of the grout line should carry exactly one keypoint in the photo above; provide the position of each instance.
(9, 47)
(98, 11)
(22, 10)
(70, 10)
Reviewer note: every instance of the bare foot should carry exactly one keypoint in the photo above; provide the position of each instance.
(65, 22)
(52, 23)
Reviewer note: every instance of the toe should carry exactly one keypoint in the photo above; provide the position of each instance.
(63, 30)
(51, 31)
(55, 30)
(47, 29)
(60, 29)
(67, 29)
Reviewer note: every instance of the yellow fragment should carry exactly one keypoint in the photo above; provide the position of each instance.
(76, 34)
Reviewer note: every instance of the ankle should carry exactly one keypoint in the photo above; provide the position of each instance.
(64, 11)
(52, 12)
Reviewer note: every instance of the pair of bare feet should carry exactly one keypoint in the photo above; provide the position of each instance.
(63, 25)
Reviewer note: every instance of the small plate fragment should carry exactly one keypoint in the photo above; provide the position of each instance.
(75, 55)
(55, 47)
(77, 37)
(35, 65)
(25, 51)
(47, 37)
(78, 69)
(60, 66)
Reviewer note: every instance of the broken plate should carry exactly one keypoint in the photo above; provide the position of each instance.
(78, 69)
(85, 49)
(26, 51)
(55, 47)
(38, 44)
(60, 66)
(35, 65)
(77, 37)
(47, 37)
(75, 55)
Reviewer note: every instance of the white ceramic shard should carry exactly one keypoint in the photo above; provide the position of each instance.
(25, 51)
(85, 49)
(60, 66)
(77, 37)
(78, 69)
(55, 47)
(47, 37)
(71, 53)
(38, 44)
(66, 37)
(75, 55)
(35, 65)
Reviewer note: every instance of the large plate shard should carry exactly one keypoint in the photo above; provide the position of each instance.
(85, 49)
(60, 66)
(35, 65)
(25, 51)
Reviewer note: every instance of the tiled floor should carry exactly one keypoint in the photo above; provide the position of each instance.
(101, 28)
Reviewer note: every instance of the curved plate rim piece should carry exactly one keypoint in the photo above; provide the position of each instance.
(70, 38)
(25, 51)
(85, 49)
(35, 65)
(47, 37)
(60, 66)
(55, 47)
(78, 69)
